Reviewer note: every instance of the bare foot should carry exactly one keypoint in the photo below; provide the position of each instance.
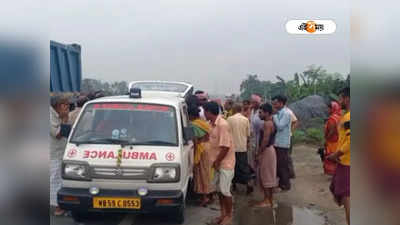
(218, 220)
(226, 221)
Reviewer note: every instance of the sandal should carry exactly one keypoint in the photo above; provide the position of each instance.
(262, 205)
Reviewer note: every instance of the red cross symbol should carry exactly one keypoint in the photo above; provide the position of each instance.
(170, 156)
(72, 153)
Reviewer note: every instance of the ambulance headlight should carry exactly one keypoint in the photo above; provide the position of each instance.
(94, 190)
(75, 171)
(165, 173)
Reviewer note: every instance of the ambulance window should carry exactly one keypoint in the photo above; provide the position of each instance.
(141, 124)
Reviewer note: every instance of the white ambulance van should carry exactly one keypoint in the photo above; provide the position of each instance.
(130, 153)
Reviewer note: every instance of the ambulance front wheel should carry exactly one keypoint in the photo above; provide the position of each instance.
(176, 216)
(180, 215)
(79, 216)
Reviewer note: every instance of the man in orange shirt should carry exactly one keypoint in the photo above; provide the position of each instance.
(340, 185)
(223, 155)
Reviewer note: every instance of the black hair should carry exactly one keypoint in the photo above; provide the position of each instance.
(192, 103)
(199, 92)
(81, 101)
(280, 98)
(193, 111)
(345, 92)
(266, 107)
(211, 107)
(237, 107)
(192, 100)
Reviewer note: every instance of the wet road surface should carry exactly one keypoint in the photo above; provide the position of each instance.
(283, 214)
(299, 206)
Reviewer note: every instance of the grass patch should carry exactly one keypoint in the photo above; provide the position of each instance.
(309, 136)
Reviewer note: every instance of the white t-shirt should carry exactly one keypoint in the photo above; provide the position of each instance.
(202, 116)
(293, 119)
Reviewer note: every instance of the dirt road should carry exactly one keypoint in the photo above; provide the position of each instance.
(309, 202)
(311, 187)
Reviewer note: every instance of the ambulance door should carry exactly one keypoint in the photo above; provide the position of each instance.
(188, 146)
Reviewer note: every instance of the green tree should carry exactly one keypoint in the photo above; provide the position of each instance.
(252, 85)
(313, 81)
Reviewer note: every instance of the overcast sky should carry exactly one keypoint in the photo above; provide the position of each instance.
(212, 44)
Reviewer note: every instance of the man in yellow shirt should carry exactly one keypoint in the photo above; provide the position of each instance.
(240, 129)
(340, 185)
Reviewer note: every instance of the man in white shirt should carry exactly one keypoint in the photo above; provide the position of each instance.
(203, 98)
(240, 128)
(294, 125)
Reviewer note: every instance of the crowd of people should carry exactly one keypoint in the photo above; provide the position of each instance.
(247, 143)
(250, 143)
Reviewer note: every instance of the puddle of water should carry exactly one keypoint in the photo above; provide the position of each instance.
(282, 215)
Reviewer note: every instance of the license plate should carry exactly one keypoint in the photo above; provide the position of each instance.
(116, 203)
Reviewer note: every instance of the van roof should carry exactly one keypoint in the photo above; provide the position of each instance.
(150, 97)
(182, 89)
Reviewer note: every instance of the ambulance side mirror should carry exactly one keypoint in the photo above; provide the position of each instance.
(188, 134)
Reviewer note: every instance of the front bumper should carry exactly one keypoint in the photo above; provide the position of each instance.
(149, 202)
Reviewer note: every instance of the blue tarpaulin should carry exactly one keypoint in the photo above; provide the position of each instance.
(65, 67)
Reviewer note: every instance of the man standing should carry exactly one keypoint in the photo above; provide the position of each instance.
(73, 115)
(293, 126)
(282, 120)
(223, 155)
(340, 186)
(256, 124)
(240, 129)
(59, 110)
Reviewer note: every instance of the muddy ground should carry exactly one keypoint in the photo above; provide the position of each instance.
(309, 202)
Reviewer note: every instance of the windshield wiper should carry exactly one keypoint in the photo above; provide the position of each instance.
(155, 142)
(104, 141)
(77, 143)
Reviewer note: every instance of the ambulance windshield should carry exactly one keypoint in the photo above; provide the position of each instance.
(133, 124)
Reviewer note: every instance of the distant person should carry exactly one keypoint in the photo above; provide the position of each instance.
(58, 139)
(282, 121)
(228, 108)
(223, 155)
(266, 158)
(240, 128)
(73, 115)
(246, 109)
(202, 98)
(340, 185)
(256, 125)
(293, 126)
(331, 136)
